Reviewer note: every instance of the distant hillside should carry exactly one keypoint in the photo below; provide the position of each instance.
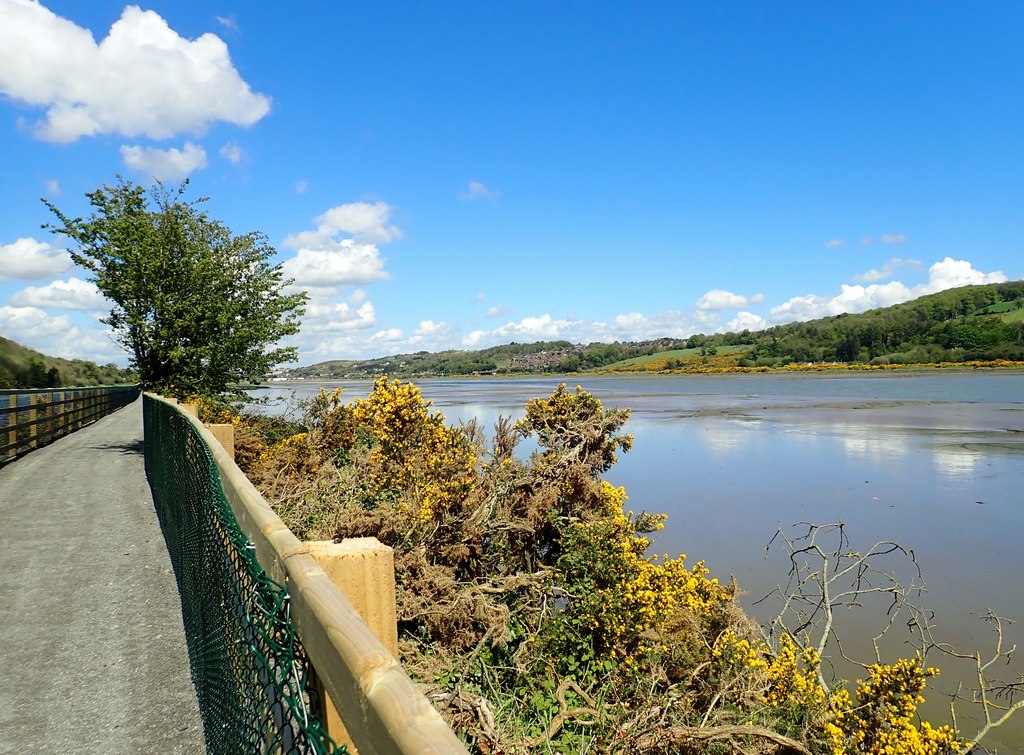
(21, 367)
(971, 323)
(513, 358)
(984, 323)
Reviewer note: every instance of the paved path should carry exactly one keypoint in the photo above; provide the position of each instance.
(92, 651)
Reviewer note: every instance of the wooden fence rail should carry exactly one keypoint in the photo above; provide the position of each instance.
(381, 709)
(31, 418)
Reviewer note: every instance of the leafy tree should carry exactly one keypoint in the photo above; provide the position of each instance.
(197, 307)
(37, 375)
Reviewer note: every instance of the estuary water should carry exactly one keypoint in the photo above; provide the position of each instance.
(932, 460)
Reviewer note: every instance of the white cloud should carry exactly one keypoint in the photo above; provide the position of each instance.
(431, 328)
(53, 187)
(333, 317)
(717, 299)
(228, 22)
(232, 153)
(361, 220)
(391, 335)
(165, 164)
(431, 335)
(949, 273)
(142, 79)
(496, 310)
(888, 270)
(28, 259)
(707, 321)
(747, 321)
(477, 190)
(343, 263)
(73, 293)
(631, 326)
(57, 335)
(324, 260)
(479, 296)
(894, 238)
(835, 243)
(301, 186)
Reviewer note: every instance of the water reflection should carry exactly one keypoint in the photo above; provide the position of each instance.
(866, 442)
(956, 463)
(725, 436)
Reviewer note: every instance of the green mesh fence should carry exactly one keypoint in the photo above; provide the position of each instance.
(249, 669)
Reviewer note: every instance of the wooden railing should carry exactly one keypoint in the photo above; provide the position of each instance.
(342, 606)
(30, 418)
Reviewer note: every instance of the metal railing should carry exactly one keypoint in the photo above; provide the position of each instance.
(30, 418)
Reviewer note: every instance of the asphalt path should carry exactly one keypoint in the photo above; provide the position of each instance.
(92, 651)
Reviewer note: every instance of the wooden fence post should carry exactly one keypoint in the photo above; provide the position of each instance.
(12, 424)
(31, 421)
(225, 434)
(363, 569)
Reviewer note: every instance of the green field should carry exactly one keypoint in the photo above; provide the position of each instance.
(674, 354)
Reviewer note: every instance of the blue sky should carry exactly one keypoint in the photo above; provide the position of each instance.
(458, 175)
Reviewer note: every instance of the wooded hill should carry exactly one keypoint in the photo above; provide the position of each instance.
(21, 367)
(963, 324)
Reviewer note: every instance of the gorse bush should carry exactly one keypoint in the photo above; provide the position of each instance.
(529, 606)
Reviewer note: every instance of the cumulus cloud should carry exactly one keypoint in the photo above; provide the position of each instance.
(232, 153)
(53, 187)
(326, 260)
(431, 328)
(717, 299)
(949, 273)
(57, 335)
(142, 79)
(333, 317)
(496, 311)
(165, 164)
(28, 259)
(341, 263)
(431, 335)
(888, 270)
(747, 321)
(363, 221)
(73, 293)
(835, 243)
(894, 238)
(391, 335)
(476, 190)
(631, 326)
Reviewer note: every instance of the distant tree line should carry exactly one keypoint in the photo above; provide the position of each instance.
(962, 324)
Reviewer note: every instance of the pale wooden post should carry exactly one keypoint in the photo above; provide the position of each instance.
(225, 434)
(192, 409)
(12, 424)
(32, 422)
(363, 569)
